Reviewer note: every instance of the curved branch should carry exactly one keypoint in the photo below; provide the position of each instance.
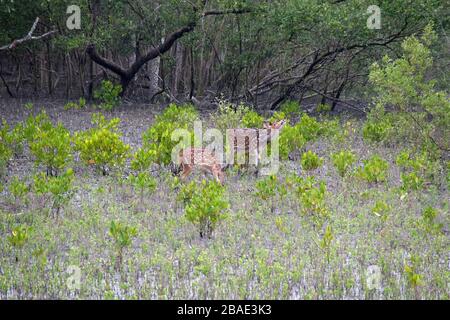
(28, 37)
(92, 52)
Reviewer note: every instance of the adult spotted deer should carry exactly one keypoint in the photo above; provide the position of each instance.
(251, 142)
(202, 158)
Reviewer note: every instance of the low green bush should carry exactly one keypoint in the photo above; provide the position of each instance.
(52, 148)
(108, 94)
(343, 161)
(158, 138)
(123, 236)
(374, 170)
(206, 207)
(59, 189)
(142, 182)
(310, 161)
(290, 108)
(102, 146)
(252, 119)
(75, 105)
(269, 188)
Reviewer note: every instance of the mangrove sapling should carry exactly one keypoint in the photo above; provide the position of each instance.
(102, 146)
(325, 243)
(142, 182)
(374, 170)
(51, 147)
(269, 188)
(18, 237)
(59, 189)
(414, 279)
(310, 161)
(19, 190)
(123, 236)
(206, 207)
(343, 161)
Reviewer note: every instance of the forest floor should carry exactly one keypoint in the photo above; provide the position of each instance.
(261, 250)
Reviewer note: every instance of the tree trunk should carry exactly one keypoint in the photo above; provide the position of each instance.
(126, 75)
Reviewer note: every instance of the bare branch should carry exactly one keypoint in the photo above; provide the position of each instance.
(222, 12)
(28, 37)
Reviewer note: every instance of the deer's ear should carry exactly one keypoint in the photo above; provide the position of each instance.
(266, 125)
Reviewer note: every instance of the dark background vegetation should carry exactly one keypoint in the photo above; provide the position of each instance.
(262, 52)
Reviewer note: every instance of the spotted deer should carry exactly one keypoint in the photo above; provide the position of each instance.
(202, 158)
(251, 142)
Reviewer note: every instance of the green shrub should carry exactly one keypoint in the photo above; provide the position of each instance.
(268, 188)
(311, 194)
(11, 143)
(19, 237)
(206, 207)
(416, 170)
(51, 147)
(102, 146)
(108, 94)
(76, 105)
(19, 189)
(312, 199)
(429, 215)
(413, 277)
(326, 241)
(309, 127)
(290, 140)
(343, 161)
(323, 107)
(293, 138)
(123, 236)
(410, 181)
(377, 127)
(374, 170)
(290, 109)
(310, 161)
(142, 182)
(34, 124)
(60, 188)
(229, 116)
(5, 147)
(422, 113)
(28, 106)
(142, 159)
(186, 192)
(158, 138)
(381, 209)
(252, 119)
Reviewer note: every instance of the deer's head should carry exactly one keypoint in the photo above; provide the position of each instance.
(276, 125)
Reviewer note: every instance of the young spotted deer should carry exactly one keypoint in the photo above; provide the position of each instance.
(251, 142)
(202, 158)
